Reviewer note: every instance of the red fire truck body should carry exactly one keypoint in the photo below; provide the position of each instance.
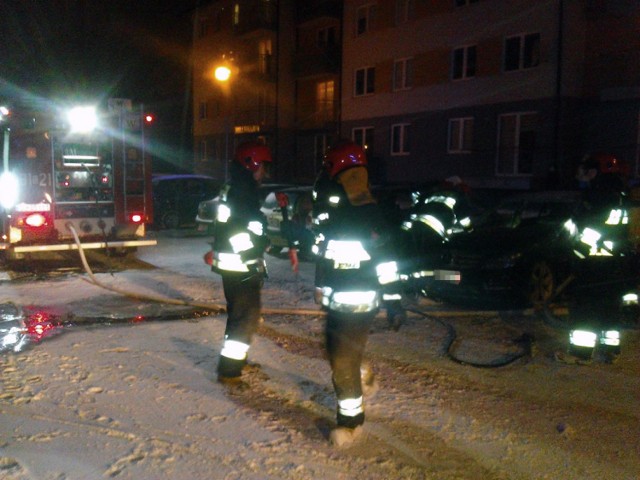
(92, 185)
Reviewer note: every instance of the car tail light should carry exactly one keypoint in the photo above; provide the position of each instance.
(136, 218)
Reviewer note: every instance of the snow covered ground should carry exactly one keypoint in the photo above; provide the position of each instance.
(134, 395)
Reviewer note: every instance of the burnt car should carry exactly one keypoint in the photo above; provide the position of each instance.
(206, 212)
(517, 253)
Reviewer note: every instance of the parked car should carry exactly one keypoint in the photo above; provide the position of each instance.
(206, 209)
(176, 197)
(299, 206)
(518, 252)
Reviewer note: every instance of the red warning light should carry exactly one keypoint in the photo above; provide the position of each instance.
(149, 118)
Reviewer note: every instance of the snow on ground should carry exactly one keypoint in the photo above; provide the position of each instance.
(139, 400)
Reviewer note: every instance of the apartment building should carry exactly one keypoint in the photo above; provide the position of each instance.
(251, 39)
(505, 93)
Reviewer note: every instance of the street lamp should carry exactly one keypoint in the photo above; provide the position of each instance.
(222, 73)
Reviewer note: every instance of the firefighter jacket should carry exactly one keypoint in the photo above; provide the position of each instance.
(354, 245)
(240, 228)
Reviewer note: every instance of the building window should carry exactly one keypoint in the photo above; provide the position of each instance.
(264, 52)
(203, 151)
(202, 110)
(404, 11)
(400, 139)
(403, 74)
(326, 37)
(460, 135)
(325, 94)
(365, 16)
(462, 3)
(364, 81)
(522, 51)
(464, 62)
(363, 136)
(516, 143)
(236, 14)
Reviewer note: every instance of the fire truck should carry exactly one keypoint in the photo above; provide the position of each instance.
(74, 178)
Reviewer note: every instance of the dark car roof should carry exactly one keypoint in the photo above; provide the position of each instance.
(159, 177)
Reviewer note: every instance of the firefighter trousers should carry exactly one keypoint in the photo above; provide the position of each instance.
(346, 338)
(242, 293)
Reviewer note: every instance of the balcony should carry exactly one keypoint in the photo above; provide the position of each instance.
(263, 16)
(317, 60)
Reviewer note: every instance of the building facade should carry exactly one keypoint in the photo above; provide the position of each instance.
(504, 93)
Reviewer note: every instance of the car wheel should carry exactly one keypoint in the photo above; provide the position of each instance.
(541, 283)
(170, 220)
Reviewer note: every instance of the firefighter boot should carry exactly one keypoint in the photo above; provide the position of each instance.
(343, 437)
(229, 369)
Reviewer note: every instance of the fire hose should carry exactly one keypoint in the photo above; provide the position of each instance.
(212, 307)
(525, 341)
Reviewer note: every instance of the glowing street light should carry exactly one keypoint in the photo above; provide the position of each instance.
(222, 73)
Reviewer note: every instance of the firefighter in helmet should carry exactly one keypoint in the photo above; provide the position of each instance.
(238, 254)
(352, 254)
(605, 260)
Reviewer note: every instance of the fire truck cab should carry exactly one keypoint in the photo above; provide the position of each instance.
(75, 178)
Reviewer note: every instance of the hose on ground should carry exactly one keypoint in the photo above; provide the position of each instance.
(212, 307)
(525, 342)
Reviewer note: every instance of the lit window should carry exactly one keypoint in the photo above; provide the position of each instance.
(460, 135)
(364, 81)
(464, 62)
(400, 139)
(522, 51)
(324, 99)
(403, 74)
(236, 14)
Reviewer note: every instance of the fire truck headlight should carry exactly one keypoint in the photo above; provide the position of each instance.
(82, 119)
(8, 190)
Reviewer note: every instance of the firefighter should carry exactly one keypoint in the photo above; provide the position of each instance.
(352, 242)
(606, 261)
(238, 254)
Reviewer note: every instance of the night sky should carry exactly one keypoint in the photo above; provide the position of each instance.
(119, 48)
(90, 50)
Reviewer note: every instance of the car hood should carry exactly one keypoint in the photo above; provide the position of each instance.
(500, 240)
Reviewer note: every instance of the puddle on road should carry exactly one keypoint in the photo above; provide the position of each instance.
(23, 327)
